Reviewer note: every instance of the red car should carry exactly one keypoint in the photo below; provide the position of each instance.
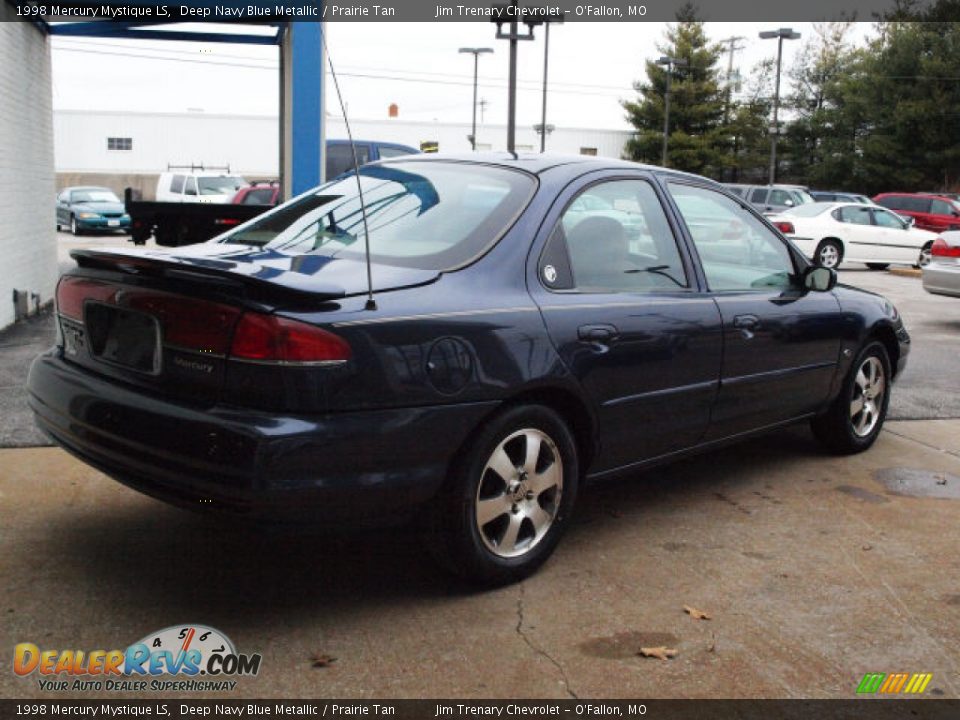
(261, 193)
(937, 213)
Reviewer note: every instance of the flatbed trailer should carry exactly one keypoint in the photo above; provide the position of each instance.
(173, 224)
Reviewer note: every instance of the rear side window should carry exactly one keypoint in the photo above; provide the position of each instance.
(386, 151)
(259, 196)
(340, 158)
(940, 207)
(176, 184)
(759, 195)
(781, 197)
(855, 215)
(614, 237)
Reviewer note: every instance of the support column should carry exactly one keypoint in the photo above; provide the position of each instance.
(303, 133)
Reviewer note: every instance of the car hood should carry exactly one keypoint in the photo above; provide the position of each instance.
(100, 207)
(308, 273)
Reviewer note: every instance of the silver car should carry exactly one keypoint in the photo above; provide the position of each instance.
(942, 275)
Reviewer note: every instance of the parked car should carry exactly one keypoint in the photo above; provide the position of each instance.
(340, 154)
(258, 193)
(498, 356)
(201, 186)
(83, 209)
(942, 275)
(772, 198)
(835, 233)
(834, 196)
(930, 212)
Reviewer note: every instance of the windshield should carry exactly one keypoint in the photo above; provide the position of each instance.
(803, 197)
(809, 210)
(93, 195)
(428, 215)
(222, 185)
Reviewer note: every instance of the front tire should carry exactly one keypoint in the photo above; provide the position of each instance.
(854, 420)
(926, 255)
(829, 254)
(508, 500)
(74, 229)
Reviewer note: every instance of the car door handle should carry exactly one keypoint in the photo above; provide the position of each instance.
(600, 334)
(746, 324)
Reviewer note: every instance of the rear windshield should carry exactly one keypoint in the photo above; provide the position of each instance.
(808, 210)
(428, 215)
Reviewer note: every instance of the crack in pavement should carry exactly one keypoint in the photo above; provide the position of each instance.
(541, 651)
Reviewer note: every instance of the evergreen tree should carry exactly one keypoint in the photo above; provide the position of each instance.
(698, 142)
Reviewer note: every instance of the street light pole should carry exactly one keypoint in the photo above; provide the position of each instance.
(669, 63)
(512, 11)
(546, 61)
(476, 52)
(781, 35)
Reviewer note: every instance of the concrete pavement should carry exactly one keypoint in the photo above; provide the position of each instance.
(814, 573)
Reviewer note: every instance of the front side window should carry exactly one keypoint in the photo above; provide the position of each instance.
(615, 238)
(388, 151)
(942, 207)
(427, 215)
(781, 197)
(737, 251)
(176, 184)
(888, 219)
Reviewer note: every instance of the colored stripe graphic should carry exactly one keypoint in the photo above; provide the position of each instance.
(894, 683)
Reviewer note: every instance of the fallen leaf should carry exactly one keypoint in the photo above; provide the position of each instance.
(322, 661)
(941, 479)
(868, 546)
(662, 652)
(695, 614)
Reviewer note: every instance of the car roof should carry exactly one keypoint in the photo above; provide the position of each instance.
(86, 187)
(537, 163)
(920, 195)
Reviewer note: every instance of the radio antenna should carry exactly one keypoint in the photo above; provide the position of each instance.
(371, 303)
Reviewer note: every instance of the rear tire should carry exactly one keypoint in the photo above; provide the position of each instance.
(829, 254)
(878, 266)
(509, 498)
(854, 420)
(74, 229)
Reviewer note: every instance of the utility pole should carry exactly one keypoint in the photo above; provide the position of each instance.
(732, 49)
(669, 63)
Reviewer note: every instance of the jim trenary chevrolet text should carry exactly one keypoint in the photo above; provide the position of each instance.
(528, 323)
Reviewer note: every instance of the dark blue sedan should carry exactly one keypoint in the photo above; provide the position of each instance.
(88, 209)
(511, 348)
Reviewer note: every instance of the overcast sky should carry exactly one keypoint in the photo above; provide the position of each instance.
(415, 65)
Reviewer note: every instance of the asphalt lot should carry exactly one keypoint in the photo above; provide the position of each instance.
(814, 569)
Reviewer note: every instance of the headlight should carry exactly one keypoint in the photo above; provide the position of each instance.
(88, 215)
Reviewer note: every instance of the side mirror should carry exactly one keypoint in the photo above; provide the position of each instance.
(820, 279)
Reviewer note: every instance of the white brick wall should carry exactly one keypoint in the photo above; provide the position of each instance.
(28, 244)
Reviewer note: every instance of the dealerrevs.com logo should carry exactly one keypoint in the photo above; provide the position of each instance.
(178, 658)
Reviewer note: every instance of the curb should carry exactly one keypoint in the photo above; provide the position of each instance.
(906, 272)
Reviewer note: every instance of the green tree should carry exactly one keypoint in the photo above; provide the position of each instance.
(698, 142)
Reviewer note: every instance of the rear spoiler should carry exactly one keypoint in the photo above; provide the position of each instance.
(239, 276)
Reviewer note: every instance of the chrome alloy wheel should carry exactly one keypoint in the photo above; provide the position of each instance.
(829, 256)
(867, 402)
(519, 493)
(926, 255)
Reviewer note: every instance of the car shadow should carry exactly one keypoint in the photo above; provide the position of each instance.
(151, 557)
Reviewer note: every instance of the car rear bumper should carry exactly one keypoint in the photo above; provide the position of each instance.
(942, 279)
(372, 467)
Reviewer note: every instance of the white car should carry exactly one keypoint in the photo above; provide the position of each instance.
(835, 233)
(942, 275)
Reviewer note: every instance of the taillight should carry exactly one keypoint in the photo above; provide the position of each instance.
(272, 339)
(940, 248)
(785, 227)
(73, 291)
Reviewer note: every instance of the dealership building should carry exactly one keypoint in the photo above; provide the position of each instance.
(130, 149)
